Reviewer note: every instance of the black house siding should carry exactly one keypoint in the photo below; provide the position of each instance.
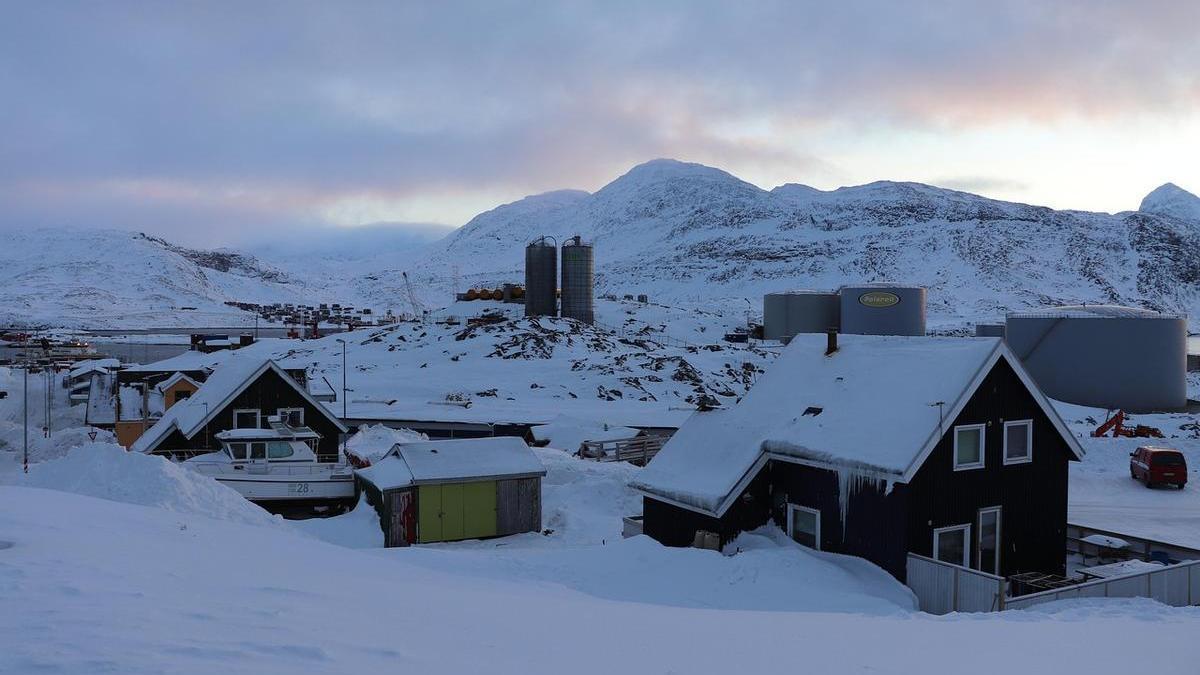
(1033, 496)
(876, 517)
(676, 526)
(268, 393)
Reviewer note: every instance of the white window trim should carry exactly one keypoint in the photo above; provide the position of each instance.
(982, 447)
(792, 508)
(1028, 442)
(999, 535)
(257, 417)
(281, 411)
(937, 532)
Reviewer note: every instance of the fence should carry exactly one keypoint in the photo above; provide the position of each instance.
(638, 450)
(943, 587)
(1177, 585)
(1139, 547)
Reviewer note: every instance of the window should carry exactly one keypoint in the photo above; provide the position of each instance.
(968, 447)
(293, 417)
(182, 394)
(246, 419)
(987, 549)
(804, 526)
(1018, 442)
(279, 450)
(258, 451)
(950, 545)
(237, 450)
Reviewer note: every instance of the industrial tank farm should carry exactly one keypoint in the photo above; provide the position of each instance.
(791, 313)
(882, 309)
(1104, 356)
(578, 279)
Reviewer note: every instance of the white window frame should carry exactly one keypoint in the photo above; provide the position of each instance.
(966, 527)
(999, 536)
(281, 411)
(1028, 424)
(982, 428)
(257, 417)
(792, 508)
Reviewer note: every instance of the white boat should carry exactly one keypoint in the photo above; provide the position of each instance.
(277, 466)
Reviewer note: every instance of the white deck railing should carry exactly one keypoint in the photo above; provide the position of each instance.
(1177, 585)
(943, 587)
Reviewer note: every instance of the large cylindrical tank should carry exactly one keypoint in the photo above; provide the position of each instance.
(1104, 356)
(791, 313)
(882, 309)
(989, 330)
(578, 280)
(541, 277)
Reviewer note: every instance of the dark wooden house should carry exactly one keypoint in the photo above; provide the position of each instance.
(447, 490)
(242, 392)
(878, 447)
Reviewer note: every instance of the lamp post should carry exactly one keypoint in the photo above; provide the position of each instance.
(344, 439)
(25, 414)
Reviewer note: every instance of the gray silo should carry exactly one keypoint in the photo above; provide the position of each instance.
(1104, 356)
(790, 313)
(882, 309)
(541, 277)
(775, 316)
(578, 280)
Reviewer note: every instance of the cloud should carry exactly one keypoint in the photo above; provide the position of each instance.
(167, 116)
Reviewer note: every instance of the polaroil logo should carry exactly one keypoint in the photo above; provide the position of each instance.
(878, 299)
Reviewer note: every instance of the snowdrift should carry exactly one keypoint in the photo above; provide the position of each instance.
(107, 471)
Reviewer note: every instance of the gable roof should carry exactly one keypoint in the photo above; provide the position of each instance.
(218, 391)
(877, 407)
(458, 460)
(172, 380)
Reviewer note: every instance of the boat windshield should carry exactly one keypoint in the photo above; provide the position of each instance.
(279, 450)
(236, 450)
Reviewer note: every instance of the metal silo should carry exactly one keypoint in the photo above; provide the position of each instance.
(883, 309)
(989, 330)
(790, 313)
(541, 277)
(1104, 356)
(578, 274)
(775, 316)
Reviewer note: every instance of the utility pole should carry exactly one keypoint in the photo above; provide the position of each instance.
(25, 414)
(344, 437)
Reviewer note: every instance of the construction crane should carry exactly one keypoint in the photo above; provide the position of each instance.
(418, 309)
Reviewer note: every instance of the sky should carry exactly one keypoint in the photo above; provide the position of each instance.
(217, 123)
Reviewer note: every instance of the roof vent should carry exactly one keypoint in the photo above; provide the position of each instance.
(812, 411)
(831, 342)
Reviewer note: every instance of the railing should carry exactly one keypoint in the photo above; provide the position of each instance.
(638, 450)
(1139, 547)
(271, 469)
(943, 587)
(1177, 585)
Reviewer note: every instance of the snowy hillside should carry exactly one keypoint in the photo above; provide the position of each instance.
(682, 233)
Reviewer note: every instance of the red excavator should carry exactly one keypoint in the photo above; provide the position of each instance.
(1116, 424)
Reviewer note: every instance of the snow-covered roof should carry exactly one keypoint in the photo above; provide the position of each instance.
(456, 460)
(877, 406)
(189, 361)
(93, 366)
(174, 379)
(1091, 312)
(226, 382)
(568, 433)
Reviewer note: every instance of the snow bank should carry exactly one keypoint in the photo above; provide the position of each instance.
(568, 433)
(107, 471)
(372, 442)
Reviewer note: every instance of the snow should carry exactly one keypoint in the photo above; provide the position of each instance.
(1090, 312)
(871, 408)
(447, 460)
(93, 366)
(107, 471)
(568, 433)
(188, 594)
(1171, 200)
(1105, 541)
(372, 441)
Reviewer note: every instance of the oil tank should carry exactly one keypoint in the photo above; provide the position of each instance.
(790, 313)
(1104, 356)
(989, 330)
(541, 277)
(882, 309)
(578, 274)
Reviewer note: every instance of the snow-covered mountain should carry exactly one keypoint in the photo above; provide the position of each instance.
(684, 233)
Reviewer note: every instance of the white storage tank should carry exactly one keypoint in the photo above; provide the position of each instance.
(882, 309)
(1104, 356)
(791, 313)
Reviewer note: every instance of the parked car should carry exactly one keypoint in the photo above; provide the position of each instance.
(1153, 466)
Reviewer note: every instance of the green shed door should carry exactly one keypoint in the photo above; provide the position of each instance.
(452, 512)
(429, 513)
(479, 510)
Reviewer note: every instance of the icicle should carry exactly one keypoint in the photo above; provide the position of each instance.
(850, 483)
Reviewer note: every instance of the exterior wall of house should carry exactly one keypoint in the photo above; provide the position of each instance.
(875, 516)
(675, 526)
(1032, 496)
(171, 394)
(267, 394)
(129, 431)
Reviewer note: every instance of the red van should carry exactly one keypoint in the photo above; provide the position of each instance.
(1158, 465)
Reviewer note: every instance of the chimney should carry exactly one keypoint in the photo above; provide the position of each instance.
(831, 341)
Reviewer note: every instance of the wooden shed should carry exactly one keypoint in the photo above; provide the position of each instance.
(451, 490)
